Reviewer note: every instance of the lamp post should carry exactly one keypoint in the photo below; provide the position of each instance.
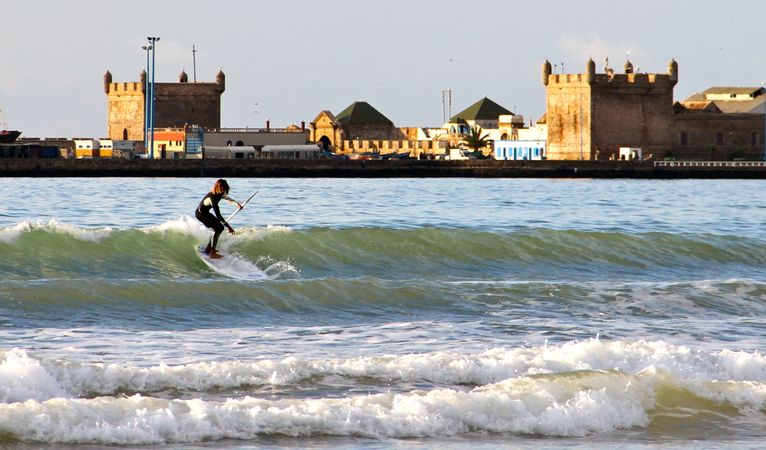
(153, 46)
(146, 96)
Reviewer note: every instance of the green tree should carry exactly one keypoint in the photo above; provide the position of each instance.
(475, 140)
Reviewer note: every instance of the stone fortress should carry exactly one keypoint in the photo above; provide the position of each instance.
(176, 105)
(591, 115)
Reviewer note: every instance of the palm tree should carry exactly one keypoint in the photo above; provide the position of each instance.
(475, 140)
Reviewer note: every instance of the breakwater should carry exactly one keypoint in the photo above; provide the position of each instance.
(369, 168)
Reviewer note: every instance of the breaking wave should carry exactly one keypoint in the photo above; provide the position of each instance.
(573, 389)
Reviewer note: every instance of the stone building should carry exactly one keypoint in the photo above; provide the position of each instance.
(727, 122)
(360, 121)
(175, 106)
(591, 115)
(704, 132)
(361, 129)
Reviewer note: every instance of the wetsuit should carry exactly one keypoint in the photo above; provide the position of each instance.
(217, 222)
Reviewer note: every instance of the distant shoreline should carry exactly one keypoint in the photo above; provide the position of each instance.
(363, 169)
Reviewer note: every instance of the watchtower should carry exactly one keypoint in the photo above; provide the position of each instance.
(175, 105)
(590, 115)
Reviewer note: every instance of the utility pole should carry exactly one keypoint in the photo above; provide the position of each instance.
(153, 40)
(580, 119)
(194, 58)
(146, 97)
(444, 106)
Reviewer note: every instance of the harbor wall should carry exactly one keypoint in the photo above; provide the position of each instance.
(12, 167)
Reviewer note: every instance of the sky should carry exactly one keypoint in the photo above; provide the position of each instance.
(286, 61)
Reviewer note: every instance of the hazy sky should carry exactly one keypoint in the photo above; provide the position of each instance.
(288, 60)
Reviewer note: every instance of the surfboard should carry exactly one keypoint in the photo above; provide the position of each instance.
(232, 266)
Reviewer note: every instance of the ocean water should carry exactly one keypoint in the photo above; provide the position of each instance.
(384, 313)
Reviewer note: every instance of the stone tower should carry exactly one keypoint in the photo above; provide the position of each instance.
(175, 105)
(591, 115)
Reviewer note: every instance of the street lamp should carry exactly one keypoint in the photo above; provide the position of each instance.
(146, 96)
(153, 48)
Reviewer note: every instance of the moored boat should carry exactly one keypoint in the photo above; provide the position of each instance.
(9, 136)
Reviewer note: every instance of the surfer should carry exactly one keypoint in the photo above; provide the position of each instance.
(219, 191)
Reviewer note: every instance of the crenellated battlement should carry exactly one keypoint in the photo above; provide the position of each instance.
(609, 78)
(129, 87)
(617, 80)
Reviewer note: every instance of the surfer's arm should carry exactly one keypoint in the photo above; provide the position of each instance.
(229, 199)
(221, 219)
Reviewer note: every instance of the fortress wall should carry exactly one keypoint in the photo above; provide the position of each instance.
(632, 111)
(179, 104)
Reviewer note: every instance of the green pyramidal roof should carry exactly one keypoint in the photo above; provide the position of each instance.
(484, 109)
(361, 113)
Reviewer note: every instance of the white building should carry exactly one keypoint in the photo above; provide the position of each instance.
(519, 150)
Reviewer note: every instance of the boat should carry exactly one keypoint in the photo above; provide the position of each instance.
(9, 136)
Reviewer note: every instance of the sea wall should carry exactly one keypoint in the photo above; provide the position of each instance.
(11, 167)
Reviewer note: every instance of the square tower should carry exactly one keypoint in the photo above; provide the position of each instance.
(590, 116)
(176, 105)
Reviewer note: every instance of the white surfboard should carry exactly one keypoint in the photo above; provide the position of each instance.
(233, 266)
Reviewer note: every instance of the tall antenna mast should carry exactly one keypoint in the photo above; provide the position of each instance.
(194, 58)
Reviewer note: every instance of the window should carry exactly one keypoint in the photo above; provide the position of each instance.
(684, 138)
(719, 138)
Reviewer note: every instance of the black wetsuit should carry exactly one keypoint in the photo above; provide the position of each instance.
(203, 212)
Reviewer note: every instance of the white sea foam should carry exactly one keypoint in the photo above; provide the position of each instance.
(22, 378)
(12, 233)
(573, 389)
(191, 226)
(518, 406)
(183, 224)
(693, 368)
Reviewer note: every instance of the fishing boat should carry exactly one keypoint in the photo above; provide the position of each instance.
(7, 136)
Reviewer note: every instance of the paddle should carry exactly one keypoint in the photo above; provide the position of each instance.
(240, 209)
